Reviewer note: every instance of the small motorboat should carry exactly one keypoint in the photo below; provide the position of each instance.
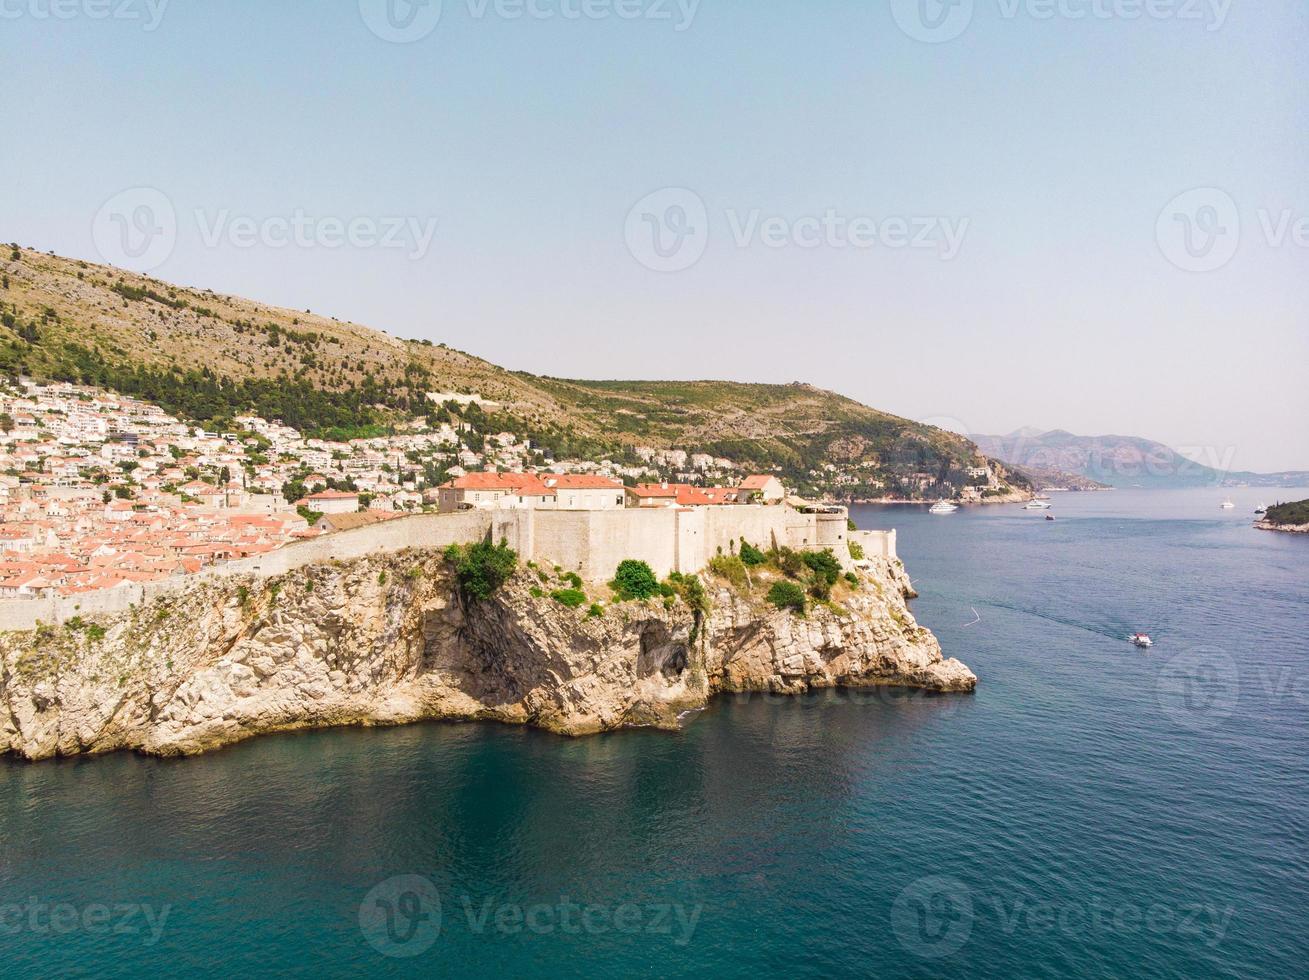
(1049, 517)
(1142, 640)
(1227, 504)
(942, 507)
(1261, 509)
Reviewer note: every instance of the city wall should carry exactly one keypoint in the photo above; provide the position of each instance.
(590, 543)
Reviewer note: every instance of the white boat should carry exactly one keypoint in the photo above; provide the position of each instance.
(1142, 640)
(1227, 504)
(1261, 509)
(1036, 505)
(943, 507)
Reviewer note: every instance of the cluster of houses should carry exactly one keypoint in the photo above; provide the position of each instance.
(548, 491)
(100, 491)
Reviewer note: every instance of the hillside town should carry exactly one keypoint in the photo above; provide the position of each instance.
(102, 491)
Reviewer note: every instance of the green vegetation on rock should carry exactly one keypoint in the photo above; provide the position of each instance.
(482, 568)
(634, 580)
(1289, 515)
(787, 595)
(572, 598)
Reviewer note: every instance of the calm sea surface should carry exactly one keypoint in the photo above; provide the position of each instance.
(1093, 810)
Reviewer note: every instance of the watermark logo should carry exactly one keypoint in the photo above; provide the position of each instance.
(407, 21)
(936, 916)
(148, 13)
(40, 918)
(933, 917)
(401, 917)
(1200, 230)
(401, 21)
(1199, 689)
(938, 21)
(933, 21)
(301, 230)
(668, 231)
(136, 229)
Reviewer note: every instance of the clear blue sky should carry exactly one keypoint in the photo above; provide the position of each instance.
(1054, 143)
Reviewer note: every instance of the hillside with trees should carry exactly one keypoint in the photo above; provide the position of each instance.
(207, 357)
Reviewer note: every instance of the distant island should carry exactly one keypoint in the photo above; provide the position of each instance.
(1292, 517)
(1116, 461)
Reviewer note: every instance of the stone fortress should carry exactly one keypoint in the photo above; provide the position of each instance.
(591, 543)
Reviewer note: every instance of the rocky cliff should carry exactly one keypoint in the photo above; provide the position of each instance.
(389, 640)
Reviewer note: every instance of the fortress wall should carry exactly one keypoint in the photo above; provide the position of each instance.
(876, 544)
(591, 543)
(422, 531)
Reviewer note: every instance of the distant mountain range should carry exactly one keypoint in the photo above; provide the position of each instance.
(1116, 461)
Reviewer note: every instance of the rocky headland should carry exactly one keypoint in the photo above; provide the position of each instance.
(1292, 518)
(393, 639)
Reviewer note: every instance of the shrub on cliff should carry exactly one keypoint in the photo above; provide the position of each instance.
(751, 555)
(731, 568)
(787, 595)
(482, 568)
(856, 551)
(789, 562)
(634, 580)
(689, 589)
(572, 598)
(825, 567)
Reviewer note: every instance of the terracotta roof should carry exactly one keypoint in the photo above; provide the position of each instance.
(655, 490)
(523, 484)
(580, 481)
(347, 522)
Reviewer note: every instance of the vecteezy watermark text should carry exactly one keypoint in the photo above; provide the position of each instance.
(138, 229)
(670, 229)
(301, 230)
(41, 918)
(938, 21)
(935, 917)
(407, 21)
(402, 917)
(149, 13)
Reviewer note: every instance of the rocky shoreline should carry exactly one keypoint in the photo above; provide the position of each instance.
(389, 640)
(1287, 528)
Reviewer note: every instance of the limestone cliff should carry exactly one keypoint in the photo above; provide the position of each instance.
(389, 640)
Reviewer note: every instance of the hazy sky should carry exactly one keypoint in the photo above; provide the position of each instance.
(974, 211)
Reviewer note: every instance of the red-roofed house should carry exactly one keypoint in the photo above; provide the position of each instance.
(762, 489)
(680, 495)
(331, 502)
(516, 491)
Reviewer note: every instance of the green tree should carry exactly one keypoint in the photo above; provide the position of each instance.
(483, 567)
(787, 595)
(634, 580)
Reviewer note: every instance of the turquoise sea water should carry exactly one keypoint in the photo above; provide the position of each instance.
(1093, 810)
